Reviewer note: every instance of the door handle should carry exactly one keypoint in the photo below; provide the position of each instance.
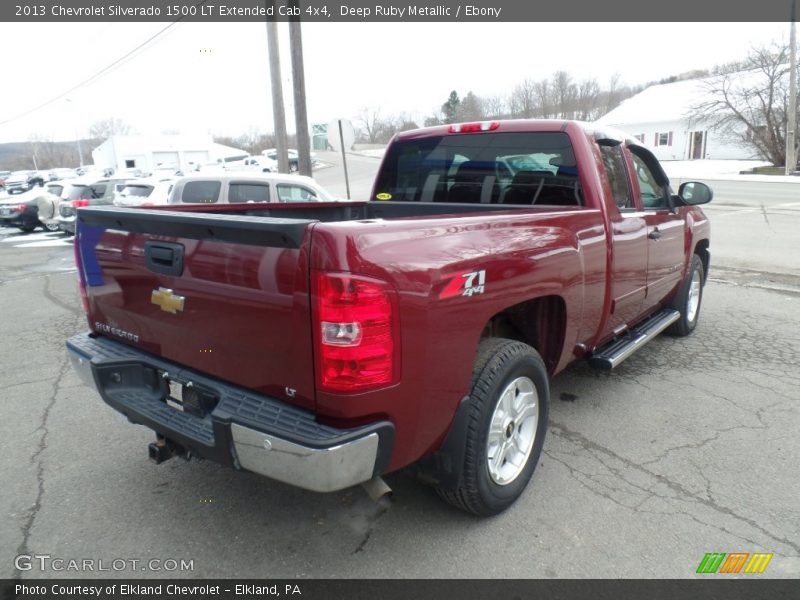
(164, 257)
(655, 234)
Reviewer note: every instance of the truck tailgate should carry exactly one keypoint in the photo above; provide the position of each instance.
(226, 295)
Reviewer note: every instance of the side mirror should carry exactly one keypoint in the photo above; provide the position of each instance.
(693, 193)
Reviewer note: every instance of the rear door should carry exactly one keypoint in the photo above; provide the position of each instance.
(225, 295)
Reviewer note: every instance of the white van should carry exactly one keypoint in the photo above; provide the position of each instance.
(238, 188)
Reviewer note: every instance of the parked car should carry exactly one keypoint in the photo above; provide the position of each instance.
(30, 209)
(21, 181)
(147, 191)
(254, 164)
(237, 188)
(417, 329)
(292, 155)
(60, 173)
(85, 193)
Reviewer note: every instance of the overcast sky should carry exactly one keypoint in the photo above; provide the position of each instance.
(200, 78)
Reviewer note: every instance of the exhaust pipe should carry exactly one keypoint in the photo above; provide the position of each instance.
(378, 490)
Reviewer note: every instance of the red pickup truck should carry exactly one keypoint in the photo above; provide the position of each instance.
(327, 345)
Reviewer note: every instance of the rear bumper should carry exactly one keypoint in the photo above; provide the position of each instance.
(245, 430)
(66, 224)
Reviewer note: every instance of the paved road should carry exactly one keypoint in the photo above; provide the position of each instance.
(361, 172)
(689, 447)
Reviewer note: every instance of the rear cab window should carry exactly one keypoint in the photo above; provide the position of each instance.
(520, 168)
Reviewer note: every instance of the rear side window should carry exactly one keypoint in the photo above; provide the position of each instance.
(493, 167)
(248, 192)
(205, 192)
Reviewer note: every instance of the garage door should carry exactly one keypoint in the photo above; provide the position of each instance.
(165, 159)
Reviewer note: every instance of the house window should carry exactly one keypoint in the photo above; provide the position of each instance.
(663, 139)
(639, 137)
(130, 164)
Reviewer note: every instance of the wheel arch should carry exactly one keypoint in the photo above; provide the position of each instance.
(540, 322)
(702, 250)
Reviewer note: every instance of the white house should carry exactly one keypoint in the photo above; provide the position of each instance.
(147, 152)
(659, 118)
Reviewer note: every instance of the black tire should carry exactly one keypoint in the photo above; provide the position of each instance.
(51, 227)
(686, 325)
(26, 227)
(499, 362)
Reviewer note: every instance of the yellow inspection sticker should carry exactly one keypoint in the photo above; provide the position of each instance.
(383, 196)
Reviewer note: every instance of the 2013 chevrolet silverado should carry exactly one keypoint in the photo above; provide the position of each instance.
(324, 345)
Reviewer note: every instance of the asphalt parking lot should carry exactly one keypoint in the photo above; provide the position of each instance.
(690, 447)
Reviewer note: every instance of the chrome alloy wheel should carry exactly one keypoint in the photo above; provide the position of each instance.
(693, 301)
(512, 431)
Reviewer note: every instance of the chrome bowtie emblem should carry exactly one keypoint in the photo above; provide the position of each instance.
(167, 300)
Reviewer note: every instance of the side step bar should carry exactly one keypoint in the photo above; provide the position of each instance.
(612, 355)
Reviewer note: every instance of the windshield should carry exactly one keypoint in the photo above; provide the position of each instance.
(491, 167)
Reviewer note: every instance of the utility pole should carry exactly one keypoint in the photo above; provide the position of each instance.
(299, 87)
(791, 121)
(278, 112)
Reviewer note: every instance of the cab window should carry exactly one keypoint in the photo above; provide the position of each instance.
(614, 162)
(653, 193)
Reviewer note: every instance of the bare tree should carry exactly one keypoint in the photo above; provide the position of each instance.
(544, 98)
(50, 154)
(104, 128)
(370, 119)
(587, 102)
(523, 100)
(748, 102)
(565, 94)
(494, 107)
(470, 108)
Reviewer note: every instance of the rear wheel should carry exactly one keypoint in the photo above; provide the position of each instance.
(26, 227)
(50, 227)
(508, 407)
(688, 299)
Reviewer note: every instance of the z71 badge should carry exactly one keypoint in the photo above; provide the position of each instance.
(465, 284)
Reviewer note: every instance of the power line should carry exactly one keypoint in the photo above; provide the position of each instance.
(102, 72)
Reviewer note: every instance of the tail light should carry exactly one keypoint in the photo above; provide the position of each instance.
(21, 207)
(356, 332)
(79, 203)
(474, 127)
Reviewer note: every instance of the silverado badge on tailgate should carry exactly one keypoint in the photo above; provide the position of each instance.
(167, 300)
